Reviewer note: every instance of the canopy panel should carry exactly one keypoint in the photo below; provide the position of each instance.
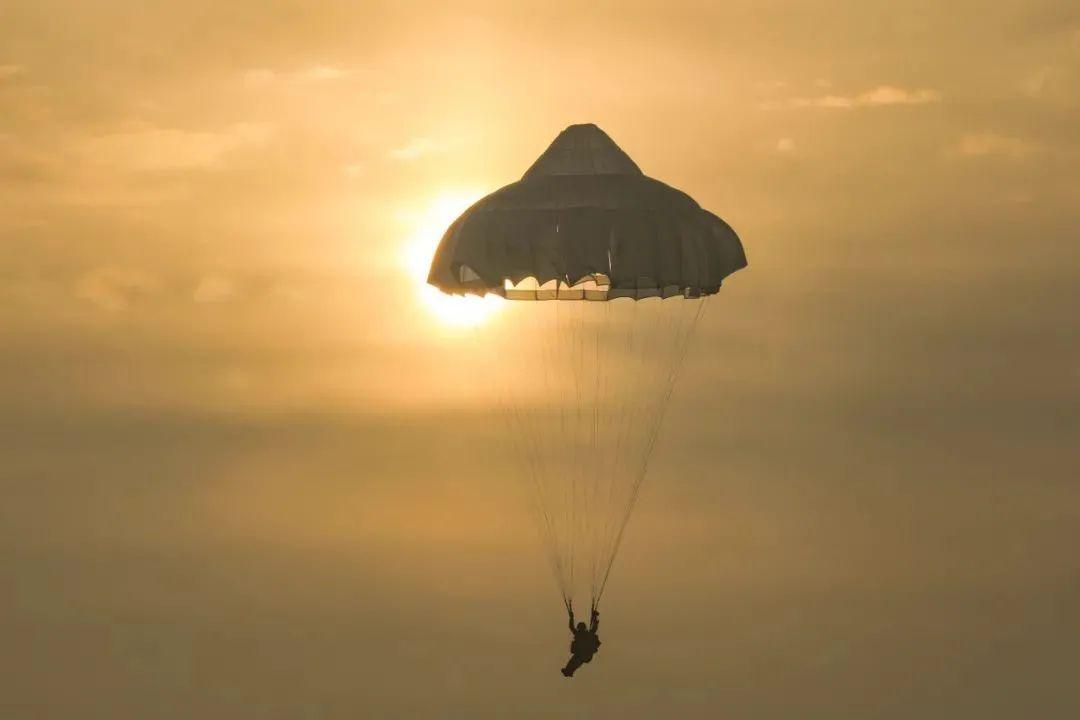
(585, 212)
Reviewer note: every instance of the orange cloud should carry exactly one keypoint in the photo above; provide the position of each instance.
(880, 96)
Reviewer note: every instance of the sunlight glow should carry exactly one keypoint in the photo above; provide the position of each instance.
(428, 227)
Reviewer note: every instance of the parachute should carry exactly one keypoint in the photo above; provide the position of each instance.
(628, 263)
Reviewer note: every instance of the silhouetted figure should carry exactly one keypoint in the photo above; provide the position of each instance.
(585, 643)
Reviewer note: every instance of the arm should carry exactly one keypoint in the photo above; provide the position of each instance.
(571, 625)
(595, 620)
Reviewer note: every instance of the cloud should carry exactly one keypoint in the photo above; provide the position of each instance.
(22, 161)
(324, 72)
(214, 289)
(988, 143)
(768, 85)
(880, 96)
(114, 289)
(10, 71)
(419, 146)
(155, 149)
(1037, 83)
(1055, 83)
(260, 77)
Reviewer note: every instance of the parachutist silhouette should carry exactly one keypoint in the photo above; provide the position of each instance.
(585, 643)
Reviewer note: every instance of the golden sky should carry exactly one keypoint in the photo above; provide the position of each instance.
(239, 448)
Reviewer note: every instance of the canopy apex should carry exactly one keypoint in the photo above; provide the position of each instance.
(583, 149)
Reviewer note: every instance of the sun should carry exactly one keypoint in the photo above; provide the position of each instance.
(428, 226)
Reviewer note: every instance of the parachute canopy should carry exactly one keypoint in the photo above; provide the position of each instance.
(584, 214)
(585, 386)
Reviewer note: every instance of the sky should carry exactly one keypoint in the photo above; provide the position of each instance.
(247, 471)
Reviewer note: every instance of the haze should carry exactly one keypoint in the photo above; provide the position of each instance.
(240, 445)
